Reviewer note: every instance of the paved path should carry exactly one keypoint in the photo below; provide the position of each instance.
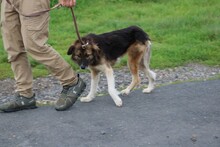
(179, 115)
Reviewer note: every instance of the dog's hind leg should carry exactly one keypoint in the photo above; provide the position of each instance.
(111, 85)
(93, 89)
(135, 79)
(148, 73)
(134, 57)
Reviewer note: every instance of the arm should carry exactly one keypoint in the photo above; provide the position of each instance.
(67, 3)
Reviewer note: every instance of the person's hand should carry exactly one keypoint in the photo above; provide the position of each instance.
(67, 3)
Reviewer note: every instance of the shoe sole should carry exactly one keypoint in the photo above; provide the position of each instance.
(19, 109)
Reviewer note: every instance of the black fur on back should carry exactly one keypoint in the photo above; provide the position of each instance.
(114, 44)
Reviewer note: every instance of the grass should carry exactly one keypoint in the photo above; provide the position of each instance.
(182, 31)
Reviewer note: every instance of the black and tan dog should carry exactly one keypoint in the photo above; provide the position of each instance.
(102, 51)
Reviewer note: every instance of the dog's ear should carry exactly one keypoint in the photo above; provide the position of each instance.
(71, 49)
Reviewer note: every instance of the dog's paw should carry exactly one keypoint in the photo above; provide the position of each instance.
(118, 102)
(86, 99)
(148, 90)
(125, 92)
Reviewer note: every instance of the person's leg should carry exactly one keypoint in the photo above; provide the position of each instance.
(17, 57)
(35, 36)
(13, 45)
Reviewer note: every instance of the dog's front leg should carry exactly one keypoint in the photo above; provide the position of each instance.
(111, 86)
(93, 89)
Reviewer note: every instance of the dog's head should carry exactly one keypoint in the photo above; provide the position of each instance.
(85, 56)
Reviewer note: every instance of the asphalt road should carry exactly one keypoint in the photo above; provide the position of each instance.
(178, 115)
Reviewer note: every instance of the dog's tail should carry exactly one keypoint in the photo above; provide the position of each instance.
(147, 55)
(148, 51)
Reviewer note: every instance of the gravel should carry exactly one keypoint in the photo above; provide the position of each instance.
(47, 89)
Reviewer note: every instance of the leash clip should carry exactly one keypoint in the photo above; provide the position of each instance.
(84, 45)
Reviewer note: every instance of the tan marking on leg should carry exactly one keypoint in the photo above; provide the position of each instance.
(135, 54)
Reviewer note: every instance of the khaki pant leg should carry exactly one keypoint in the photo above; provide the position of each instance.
(13, 45)
(35, 36)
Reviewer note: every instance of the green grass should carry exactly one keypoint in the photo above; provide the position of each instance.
(182, 31)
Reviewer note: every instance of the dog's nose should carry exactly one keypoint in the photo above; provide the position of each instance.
(82, 67)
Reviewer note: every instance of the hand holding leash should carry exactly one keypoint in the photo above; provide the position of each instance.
(67, 3)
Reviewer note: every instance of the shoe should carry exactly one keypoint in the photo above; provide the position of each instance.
(69, 95)
(19, 103)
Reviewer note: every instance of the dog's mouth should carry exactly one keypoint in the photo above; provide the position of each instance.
(83, 65)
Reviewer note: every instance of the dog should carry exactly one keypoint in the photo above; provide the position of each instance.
(102, 51)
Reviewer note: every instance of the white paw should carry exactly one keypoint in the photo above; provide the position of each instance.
(125, 92)
(148, 90)
(118, 102)
(86, 99)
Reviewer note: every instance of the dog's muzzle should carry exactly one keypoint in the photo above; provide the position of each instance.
(82, 66)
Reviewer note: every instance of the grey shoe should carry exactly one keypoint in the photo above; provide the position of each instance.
(19, 103)
(69, 95)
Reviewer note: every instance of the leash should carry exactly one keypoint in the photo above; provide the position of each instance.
(35, 13)
(77, 31)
